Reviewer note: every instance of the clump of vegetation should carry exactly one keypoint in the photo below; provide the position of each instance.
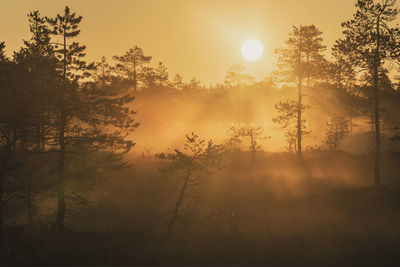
(287, 118)
(255, 136)
(337, 129)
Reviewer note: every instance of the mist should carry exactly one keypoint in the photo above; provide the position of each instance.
(122, 162)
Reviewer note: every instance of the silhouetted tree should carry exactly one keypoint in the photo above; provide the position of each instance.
(254, 134)
(103, 73)
(94, 122)
(343, 69)
(195, 161)
(129, 63)
(298, 63)
(236, 76)
(66, 26)
(336, 131)
(192, 86)
(373, 43)
(287, 117)
(18, 122)
(38, 77)
(6, 142)
(161, 74)
(343, 73)
(177, 82)
(147, 76)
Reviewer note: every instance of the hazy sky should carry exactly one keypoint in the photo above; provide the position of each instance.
(197, 38)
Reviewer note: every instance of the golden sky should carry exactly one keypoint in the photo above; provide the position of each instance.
(196, 38)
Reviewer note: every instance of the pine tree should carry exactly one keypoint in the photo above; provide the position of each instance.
(236, 76)
(298, 63)
(147, 76)
(287, 117)
(16, 123)
(373, 43)
(178, 82)
(103, 73)
(343, 77)
(197, 159)
(70, 54)
(5, 139)
(94, 122)
(129, 64)
(254, 134)
(37, 63)
(336, 131)
(161, 74)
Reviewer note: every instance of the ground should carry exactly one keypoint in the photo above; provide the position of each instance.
(273, 211)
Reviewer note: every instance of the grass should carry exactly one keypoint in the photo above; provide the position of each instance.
(268, 212)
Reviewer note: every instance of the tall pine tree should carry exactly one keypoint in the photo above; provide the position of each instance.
(298, 63)
(373, 44)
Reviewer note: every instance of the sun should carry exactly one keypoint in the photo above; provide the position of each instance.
(252, 49)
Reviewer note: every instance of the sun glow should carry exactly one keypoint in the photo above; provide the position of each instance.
(252, 49)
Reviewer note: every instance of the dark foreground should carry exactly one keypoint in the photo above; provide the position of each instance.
(263, 213)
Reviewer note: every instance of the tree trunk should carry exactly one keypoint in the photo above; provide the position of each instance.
(253, 147)
(376, 108)
(61, 205)
(299, 130)
(178, 205)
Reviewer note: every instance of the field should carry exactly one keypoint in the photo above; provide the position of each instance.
(271, 210)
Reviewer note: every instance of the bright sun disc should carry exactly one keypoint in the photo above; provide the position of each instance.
(252, 50)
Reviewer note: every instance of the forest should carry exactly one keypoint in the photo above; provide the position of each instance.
(119, 162)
